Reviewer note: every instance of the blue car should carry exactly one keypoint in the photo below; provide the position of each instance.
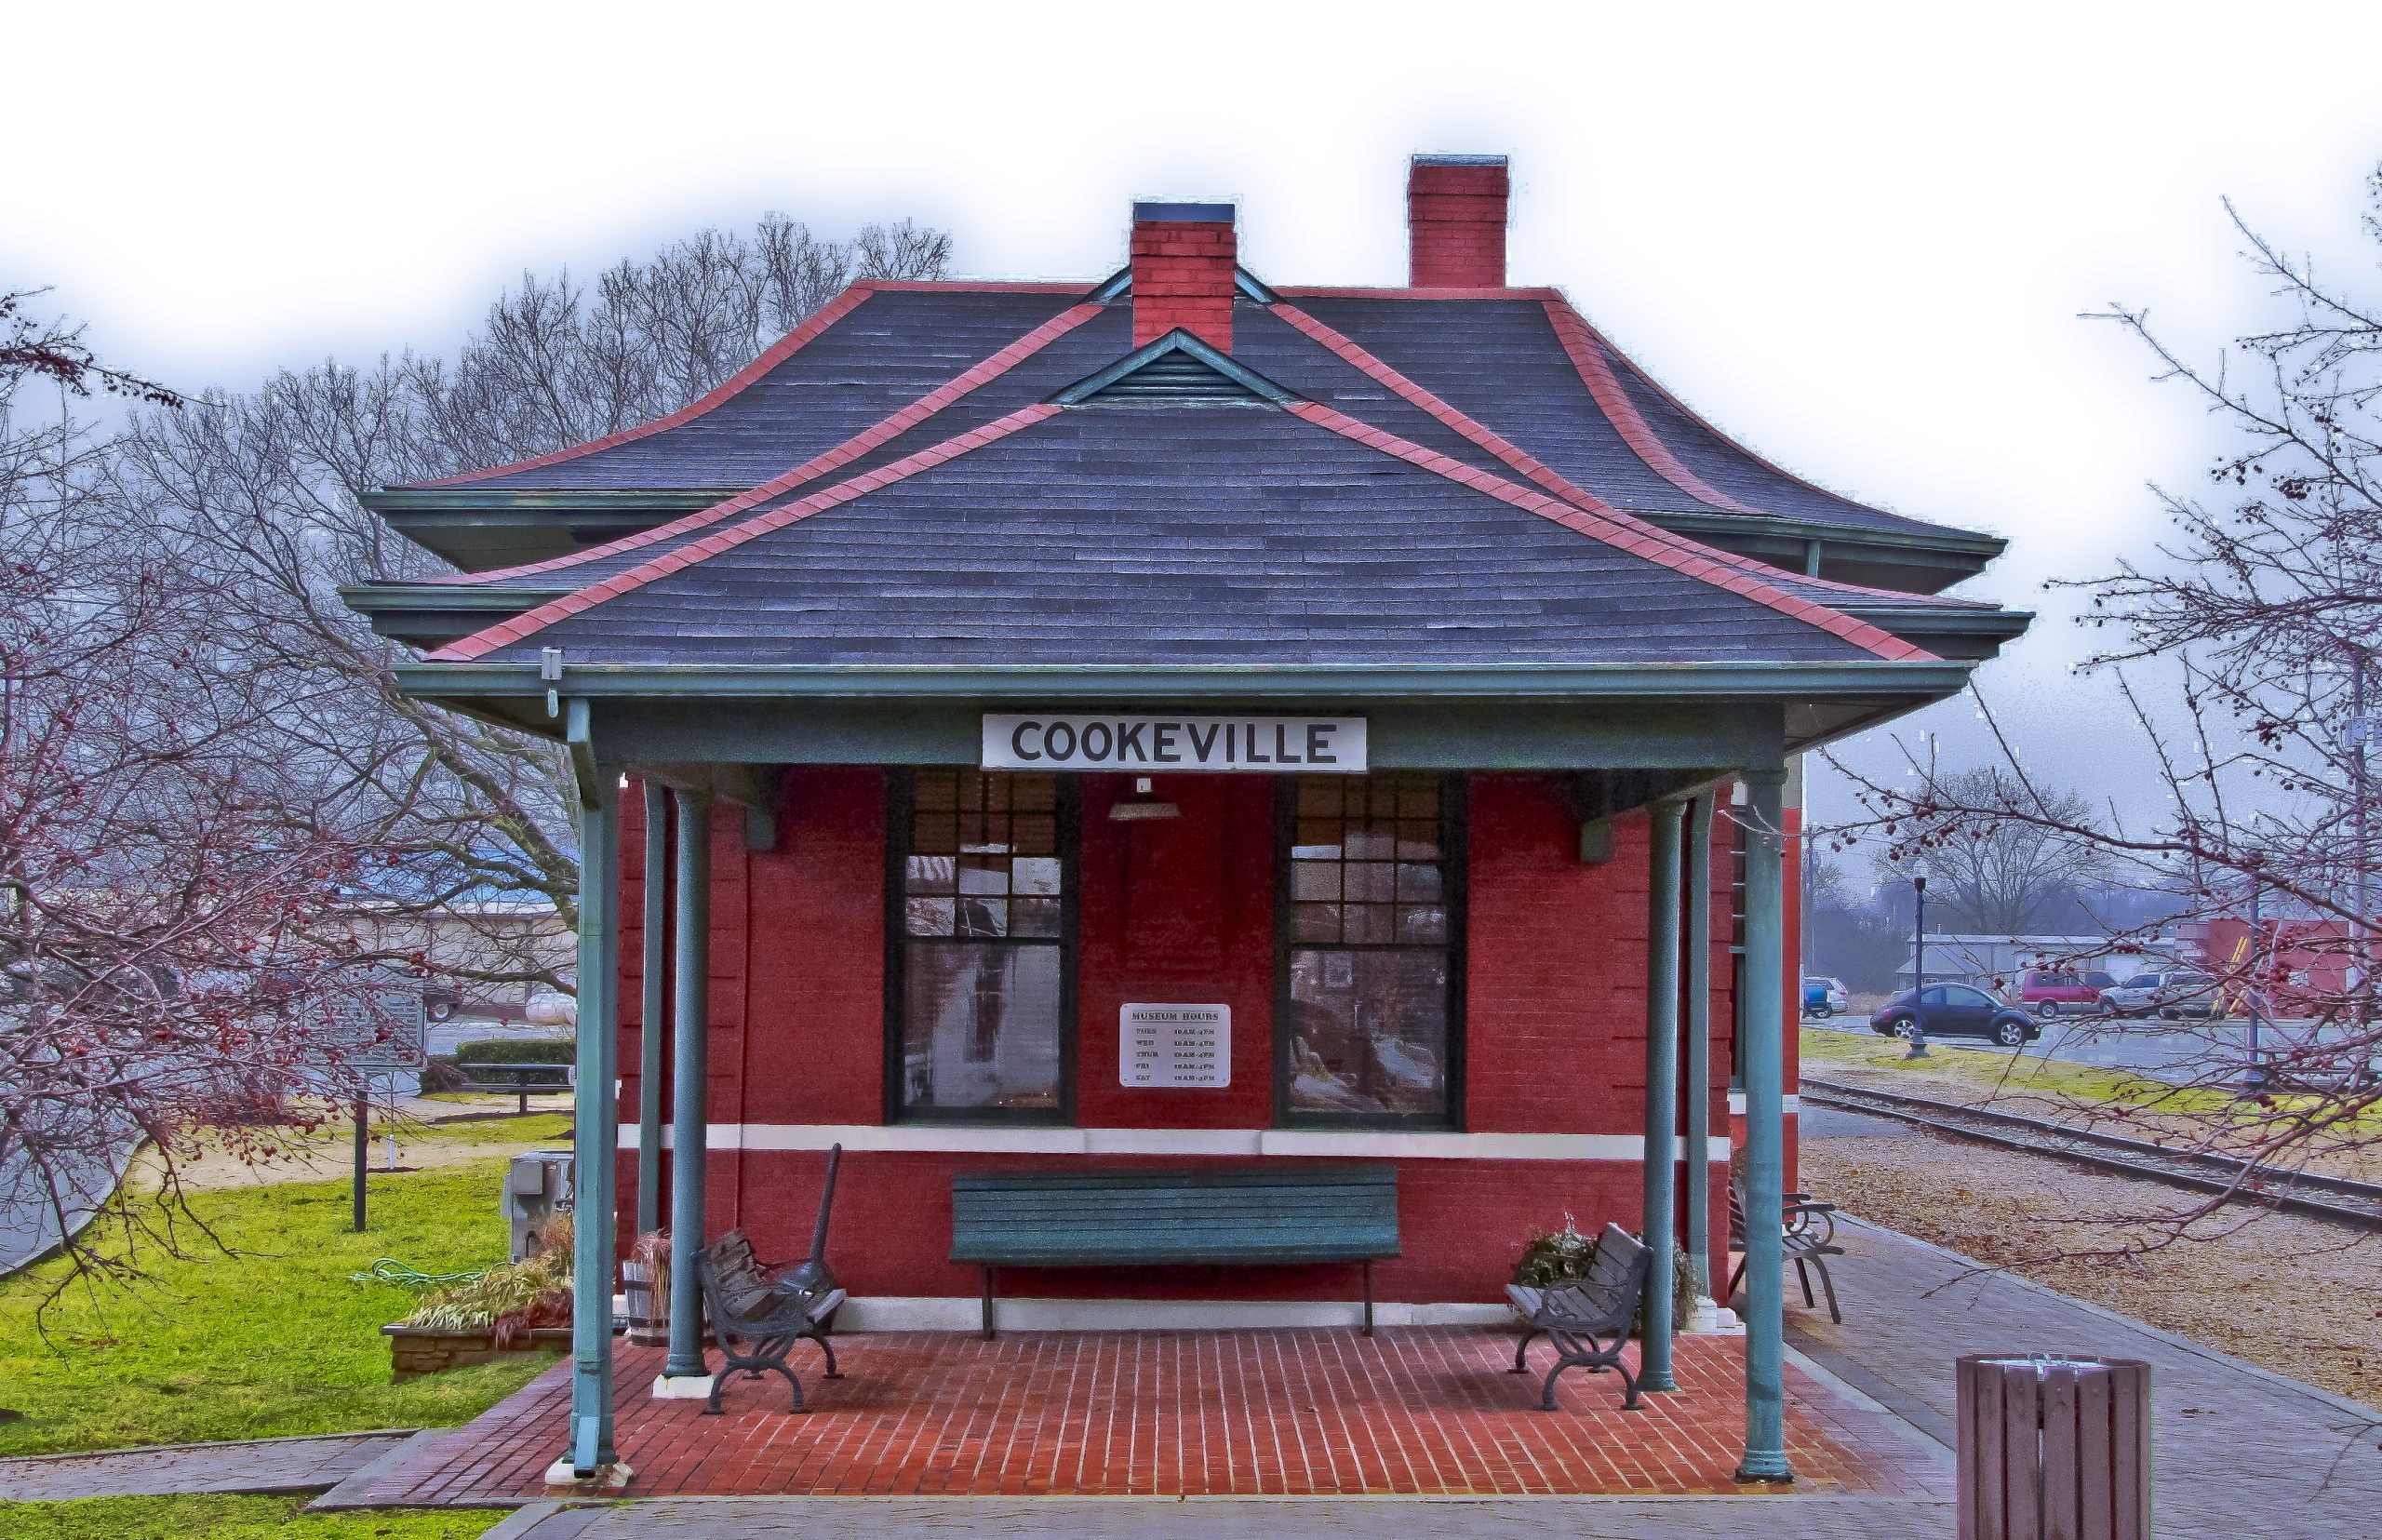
(1823, 996)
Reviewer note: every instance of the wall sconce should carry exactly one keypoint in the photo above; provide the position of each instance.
(1142, 806)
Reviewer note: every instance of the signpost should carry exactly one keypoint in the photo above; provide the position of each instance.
(383, 1031)
(1176, 1047)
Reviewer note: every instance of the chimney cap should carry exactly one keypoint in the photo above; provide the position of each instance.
(1458, 160)
(1160, 213)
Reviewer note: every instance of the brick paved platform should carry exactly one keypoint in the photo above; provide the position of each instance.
(1423, 1410)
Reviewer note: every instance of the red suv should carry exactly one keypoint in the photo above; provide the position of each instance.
(2049, 992)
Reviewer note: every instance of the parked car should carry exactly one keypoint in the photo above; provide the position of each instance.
(1823, 996)
(1955, 1010)
(550, 1007)
(2050, 992)
(2168, 996)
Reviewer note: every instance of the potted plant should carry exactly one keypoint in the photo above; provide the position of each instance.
(521, 1307)
(1551, 1257)
(645, 1281)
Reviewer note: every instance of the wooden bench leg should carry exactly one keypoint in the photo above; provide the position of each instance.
(988, 1302)
(1369, 1296)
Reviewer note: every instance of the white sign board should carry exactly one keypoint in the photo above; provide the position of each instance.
(1264, 745)
(1175, 1045)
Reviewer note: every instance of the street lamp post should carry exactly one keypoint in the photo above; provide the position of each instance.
(1918, 968)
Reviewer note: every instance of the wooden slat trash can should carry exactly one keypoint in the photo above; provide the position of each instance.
(2054, 1448)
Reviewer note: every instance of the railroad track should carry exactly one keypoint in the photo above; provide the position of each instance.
(2335, 1198)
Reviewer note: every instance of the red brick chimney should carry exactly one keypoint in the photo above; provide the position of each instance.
(1184, 255)
(1455, 221)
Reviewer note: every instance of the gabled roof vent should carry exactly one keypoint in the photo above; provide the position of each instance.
(1177, 369)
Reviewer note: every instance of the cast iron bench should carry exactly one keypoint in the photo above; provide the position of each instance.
(1589, 1320)
(770, 1315)
(521, 1080)
(1806, 1232)
(1156, 1218)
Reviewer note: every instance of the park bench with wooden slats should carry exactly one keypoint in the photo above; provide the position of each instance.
(1588, 1320)
(768, 1314)
(1171, 1218)
(1806, 1234)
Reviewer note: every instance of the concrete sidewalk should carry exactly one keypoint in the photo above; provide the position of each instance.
(258, 1466)
(2237, 1450)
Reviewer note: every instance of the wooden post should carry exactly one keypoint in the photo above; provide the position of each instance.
(2053, 1448)
(1764, 1069)
(596, 1144)
(689, 1022)
(656, 917)
(1661, 1159)
(363, 1106)
(1698, 1072)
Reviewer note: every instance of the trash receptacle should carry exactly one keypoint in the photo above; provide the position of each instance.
(2053, 1447)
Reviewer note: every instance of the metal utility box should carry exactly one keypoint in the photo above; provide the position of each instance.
(537, 1186)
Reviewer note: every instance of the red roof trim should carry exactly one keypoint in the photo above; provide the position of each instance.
(1576, 319)
(827, 315)
(1617, 532)
(818, 465)
(504, 633)
(1326, 291)
(1354, 354)
(1580, 344)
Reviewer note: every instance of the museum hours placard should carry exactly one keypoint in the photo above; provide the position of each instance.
(1180, 1046)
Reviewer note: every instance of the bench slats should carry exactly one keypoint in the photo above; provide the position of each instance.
(1121, 1218)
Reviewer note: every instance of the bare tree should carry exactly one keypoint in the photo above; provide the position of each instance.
(2263, 611)
(162, 954)
(1999, 875)
(263, 489)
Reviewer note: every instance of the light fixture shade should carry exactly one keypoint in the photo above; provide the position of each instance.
(1136, 809)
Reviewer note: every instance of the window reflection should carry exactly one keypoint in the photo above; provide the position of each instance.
(1368, 955)
(983, 1011)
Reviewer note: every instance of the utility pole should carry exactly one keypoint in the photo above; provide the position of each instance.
(2361, 729)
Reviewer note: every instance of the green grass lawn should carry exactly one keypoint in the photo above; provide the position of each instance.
(1998, 1069)
(232, 1519)
(270, 1339)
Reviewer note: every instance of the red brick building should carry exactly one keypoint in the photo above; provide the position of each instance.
(1181, 723)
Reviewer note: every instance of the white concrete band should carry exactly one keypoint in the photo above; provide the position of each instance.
(1372, 1145)
(1789, 1105)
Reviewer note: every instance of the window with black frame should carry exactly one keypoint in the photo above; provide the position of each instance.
(980, 993)
(1371, 951)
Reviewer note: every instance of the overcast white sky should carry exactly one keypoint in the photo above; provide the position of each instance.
(1855, 236)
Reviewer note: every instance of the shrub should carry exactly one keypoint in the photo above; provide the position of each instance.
(1550, 1257)
(517, 1051)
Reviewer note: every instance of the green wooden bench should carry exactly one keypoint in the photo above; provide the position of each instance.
(1159, 1218)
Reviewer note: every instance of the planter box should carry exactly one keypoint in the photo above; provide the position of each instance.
(415, 1351)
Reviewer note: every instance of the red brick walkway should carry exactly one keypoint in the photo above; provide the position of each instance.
(1423, 1409)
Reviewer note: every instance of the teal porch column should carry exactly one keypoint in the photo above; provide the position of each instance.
(1697, 1073)
(1661, 1090)
(650, 1035)
(690, 1136)
(1765, 1456)
(597, 1147)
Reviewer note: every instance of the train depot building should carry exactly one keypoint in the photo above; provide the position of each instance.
(1178, 728)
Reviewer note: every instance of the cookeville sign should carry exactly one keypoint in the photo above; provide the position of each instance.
(1276, 745)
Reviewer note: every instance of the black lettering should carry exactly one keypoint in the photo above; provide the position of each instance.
(1107, 742)
(1255, 757)
(1318, 744)
(1017, 741)
(1201, 745)
(1130, 738)
(1162, 745)
(1282, 744)
(1050, 741)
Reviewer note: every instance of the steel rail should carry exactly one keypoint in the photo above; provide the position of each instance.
(2344, 1200)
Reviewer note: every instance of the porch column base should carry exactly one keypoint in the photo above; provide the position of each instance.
(604, 1482)
(1771, 1469)
(682, 1387)
(1710, 1319)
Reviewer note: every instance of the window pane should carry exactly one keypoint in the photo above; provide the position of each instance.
(1373, 841)
(1034, 834)
(1366, 924)
(930, 873)
(1316, 922)
(1035, 873)
(1418, 841)
(936, 791)
(935, 834)
(1314, 881)
(1417, 882)
(1318, 839)
(981, 874)
(1367, 1031)
(929, 917)
(1034, 916)
(984, 916)
(1419, 925)
(1369, 882)
(983, 1026)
